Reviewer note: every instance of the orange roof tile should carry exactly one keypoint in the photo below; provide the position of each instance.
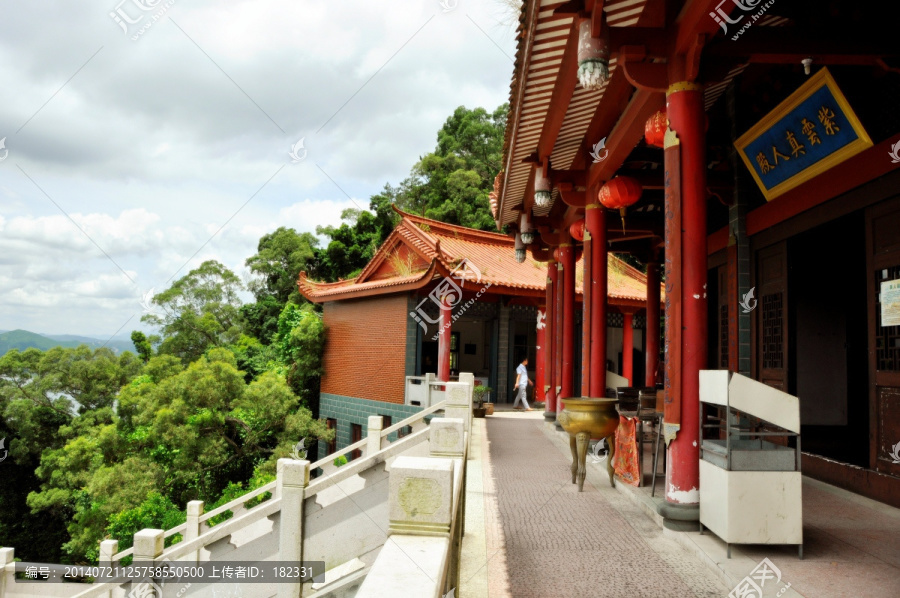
(444, 246)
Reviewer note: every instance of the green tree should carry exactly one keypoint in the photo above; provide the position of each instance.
(300, 343)
(181, 433)
(280, 258)
(450, 184)
(201, 310)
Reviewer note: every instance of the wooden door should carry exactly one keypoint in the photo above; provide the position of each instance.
(883, 261)
(771, 316)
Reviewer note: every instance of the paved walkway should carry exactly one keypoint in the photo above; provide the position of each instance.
(544, 539)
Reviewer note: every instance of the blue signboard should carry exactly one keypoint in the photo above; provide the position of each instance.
(810, 132)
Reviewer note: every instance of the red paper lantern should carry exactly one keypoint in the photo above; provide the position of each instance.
(577, 230)
(655, 129)
(620, 193)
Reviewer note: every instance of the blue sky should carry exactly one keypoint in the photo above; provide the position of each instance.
(131, 161)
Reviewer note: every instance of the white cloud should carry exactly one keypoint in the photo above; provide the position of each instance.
(152, 148)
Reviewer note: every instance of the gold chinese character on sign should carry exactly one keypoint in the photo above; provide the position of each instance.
(809, 129)
(776, 154)
(796, 146)
(826, 117)
(763, 162)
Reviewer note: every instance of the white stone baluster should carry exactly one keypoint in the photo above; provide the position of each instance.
(6, 562)
(373, 438)
(293, 478)
(192, 527)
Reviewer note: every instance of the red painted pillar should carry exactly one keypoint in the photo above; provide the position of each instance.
(567, 261)
(651, 342)
(586, 318)
(595, 217)
(550, 338)
(628, 348)
(539, 355)
(558, 334)
(443, 373)
(687, 119)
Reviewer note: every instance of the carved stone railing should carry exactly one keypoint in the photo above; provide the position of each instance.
(340, 517)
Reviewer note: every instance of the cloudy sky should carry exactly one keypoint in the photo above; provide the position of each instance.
(143, 137)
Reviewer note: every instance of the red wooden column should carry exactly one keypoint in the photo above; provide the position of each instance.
(539, 353)
(595, 219)
(567, 262)
(443, 372)
(687, 119)
(553, 319)
(651, 341)
(586, 318)
(628, 348)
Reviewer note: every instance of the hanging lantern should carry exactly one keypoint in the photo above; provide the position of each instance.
(577, 230)
(520, 249)
(593, 57)
(525, 230)
(620, 193)
(655, 129)
(541, 189)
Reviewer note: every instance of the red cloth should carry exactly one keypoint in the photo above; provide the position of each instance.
(625, 461)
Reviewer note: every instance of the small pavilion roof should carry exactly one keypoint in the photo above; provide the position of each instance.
(420, 250)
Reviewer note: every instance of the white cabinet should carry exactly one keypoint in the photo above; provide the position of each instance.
(750, 487)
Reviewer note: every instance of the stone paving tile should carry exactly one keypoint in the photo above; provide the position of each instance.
(549, 540)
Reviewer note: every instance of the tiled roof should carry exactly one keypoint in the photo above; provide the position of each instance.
(440, 248)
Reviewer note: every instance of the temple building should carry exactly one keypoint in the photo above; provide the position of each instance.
(747, 153)
(383, 328)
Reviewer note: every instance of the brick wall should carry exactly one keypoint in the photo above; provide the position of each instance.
(365, 350)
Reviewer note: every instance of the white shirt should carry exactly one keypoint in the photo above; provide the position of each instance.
(523, 374)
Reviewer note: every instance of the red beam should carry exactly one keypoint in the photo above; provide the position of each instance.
(563, 90)
(628, 131)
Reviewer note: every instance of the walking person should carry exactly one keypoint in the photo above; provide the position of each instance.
(522, 383)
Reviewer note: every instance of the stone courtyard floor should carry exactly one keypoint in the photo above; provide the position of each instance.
(530, 533)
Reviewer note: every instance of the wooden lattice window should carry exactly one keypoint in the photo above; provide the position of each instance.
(773, 330)
(887, 338)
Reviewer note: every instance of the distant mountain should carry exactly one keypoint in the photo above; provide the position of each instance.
(23, 339)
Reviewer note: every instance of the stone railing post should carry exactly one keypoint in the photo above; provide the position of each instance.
(149, 544)
(429, 378)
(192, 527)
(459, 403)
(6, 562)
(293, 478)
(421, 496)
(447, 437)
(373, 436)
(108, 548)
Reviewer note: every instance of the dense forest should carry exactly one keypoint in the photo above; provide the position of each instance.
(101, 446)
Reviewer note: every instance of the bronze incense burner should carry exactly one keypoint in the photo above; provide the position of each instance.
(585, 418)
